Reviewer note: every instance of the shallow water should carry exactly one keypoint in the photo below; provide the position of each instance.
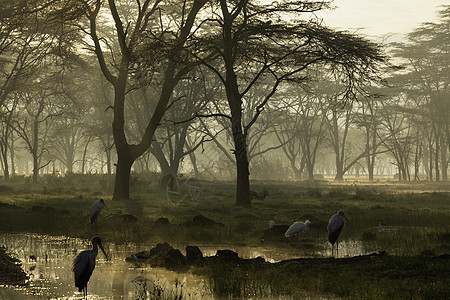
(51, 276)
(347, 248)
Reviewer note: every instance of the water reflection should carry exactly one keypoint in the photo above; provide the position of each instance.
(48, 261)
(347, 248)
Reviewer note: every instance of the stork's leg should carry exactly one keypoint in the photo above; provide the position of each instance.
(337, 247)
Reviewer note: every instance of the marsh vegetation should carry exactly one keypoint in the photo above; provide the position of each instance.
(404, 224)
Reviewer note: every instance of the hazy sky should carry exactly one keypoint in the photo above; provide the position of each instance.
(379, 17)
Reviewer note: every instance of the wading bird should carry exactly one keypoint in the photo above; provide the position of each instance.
(84, 265)
(271, 223)
(334, 229)
(297, 227)
(96, 208)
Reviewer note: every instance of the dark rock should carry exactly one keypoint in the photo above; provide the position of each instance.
(193, 254)
(160, 222)
(129, 218)
(258, 260)
(227, 255)
(174, 259)
(160, 248)
(165, 256)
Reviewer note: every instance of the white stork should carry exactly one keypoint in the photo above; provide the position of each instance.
(297, 227)
(96, 208)
(84, 265)
(334, 229)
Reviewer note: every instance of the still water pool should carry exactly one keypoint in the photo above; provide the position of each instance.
(51, 276)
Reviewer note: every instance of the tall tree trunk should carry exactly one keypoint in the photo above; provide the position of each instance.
(430, 149)
(108, 161)
(6, 171)
(339, 171)
(83, 161)
(4, 159)
(12, 155)
(166, 167)
(298, 172)
(35, 168)
(122, 179)
(240, 148)
(309, 160)
(370, 155)
(444, 160)
(242, 170)
(234, 98)
(417, 156)
(35, 151)
(436, 159)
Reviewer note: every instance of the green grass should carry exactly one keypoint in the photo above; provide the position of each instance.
(418, 230)
(417, 221)
(373, 277)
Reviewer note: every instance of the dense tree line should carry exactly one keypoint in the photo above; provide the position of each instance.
(217, 88)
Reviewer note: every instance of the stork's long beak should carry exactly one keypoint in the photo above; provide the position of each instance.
(347, 220)
(103, 250)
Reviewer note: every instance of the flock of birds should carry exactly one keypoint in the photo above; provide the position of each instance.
(84, 263)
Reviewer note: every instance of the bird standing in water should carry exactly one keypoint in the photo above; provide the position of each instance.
(297, 227)
(96, 208)
(84, 265)
(334, 229)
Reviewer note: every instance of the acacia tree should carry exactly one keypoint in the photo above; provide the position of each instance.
(98, 126)
(368, 120)
(34, 118)
(170, 148)
(399, 138)
(25, 41)
(65, 139)
(139, 38)
(69, 138)
(272, 43)
(169, 145)
(425, 77)
(300, 128)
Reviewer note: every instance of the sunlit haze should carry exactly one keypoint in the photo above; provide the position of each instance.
(378, 18)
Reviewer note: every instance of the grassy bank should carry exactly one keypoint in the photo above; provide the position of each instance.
(416, 221)
(364, 277)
